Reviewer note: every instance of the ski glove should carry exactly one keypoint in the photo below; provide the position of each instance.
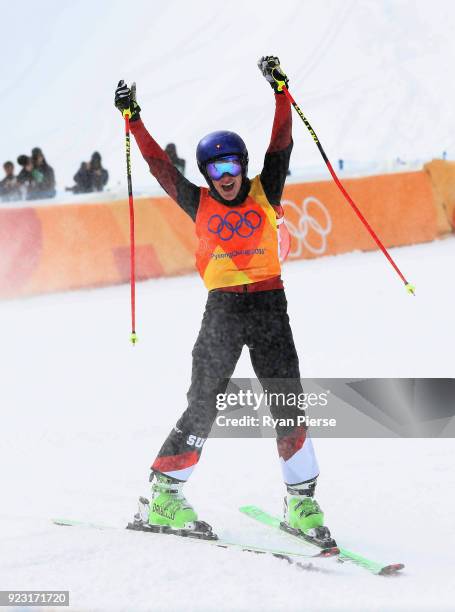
(125, 98)
(270, 67)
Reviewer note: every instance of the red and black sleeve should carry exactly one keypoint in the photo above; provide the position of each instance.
(276, 161)
(180, 189)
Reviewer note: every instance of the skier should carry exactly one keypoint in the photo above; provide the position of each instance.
(236, 222)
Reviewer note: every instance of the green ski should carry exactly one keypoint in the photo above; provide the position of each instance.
(293, 558)
(345, 555)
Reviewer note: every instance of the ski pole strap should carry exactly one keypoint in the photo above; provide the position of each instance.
(409, 288)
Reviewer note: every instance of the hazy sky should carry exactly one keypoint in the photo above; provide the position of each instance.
(374, 77)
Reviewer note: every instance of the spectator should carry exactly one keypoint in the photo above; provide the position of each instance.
(179, 163)
(91, 176)
(98, 175)
(9, 186)
(43, 175)
(25, 177)
(82, 179)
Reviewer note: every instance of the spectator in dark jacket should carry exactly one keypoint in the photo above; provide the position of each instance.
(91, 176)
(43, 175)
(171, 151)
(9, 186)
(25, 177)
(82, 179)
(98, 175)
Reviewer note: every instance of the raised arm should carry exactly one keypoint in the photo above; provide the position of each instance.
(276, 161)
(180, 189)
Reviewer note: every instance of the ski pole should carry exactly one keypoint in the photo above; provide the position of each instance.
(282, 86)
(126, 116)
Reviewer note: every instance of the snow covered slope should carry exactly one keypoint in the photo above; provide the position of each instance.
(83, 413)
(372, 77)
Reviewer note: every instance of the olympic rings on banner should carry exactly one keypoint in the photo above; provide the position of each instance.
(308, 224)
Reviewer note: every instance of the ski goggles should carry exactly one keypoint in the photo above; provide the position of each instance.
(225, 165)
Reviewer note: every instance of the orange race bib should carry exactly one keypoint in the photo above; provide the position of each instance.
(237, 244)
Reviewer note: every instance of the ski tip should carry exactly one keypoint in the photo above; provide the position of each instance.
(390, 570)
(254, 512)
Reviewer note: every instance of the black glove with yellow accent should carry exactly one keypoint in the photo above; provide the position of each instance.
(270, 67)
(125, 99)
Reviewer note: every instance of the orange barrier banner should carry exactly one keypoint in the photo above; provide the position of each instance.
(69, 246)
(442, 175)
(399, 207)
(56, 248)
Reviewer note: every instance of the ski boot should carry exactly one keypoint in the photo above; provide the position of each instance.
(303, 516)
(169, 511)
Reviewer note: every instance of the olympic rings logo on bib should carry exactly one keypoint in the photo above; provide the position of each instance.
(234, 223)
